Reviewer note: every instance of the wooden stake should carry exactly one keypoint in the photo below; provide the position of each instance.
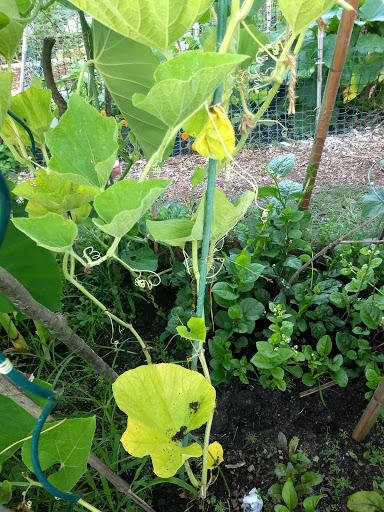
(371, 413)
(338, 60)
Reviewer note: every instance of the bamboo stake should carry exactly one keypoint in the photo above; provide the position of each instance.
(320, 52)
(342, 42)
(370, 415)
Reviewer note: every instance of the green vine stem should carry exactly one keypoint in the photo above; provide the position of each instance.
(81, 74)
(70, 277)
(190, 474)
(276, 85)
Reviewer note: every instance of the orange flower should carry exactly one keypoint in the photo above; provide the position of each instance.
(118, 135)
(117, 119)
(184, 136)
(187, 144)
(102, 112)
(126, 124)
(193, 147)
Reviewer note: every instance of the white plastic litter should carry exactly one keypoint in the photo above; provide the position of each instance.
(252, 501)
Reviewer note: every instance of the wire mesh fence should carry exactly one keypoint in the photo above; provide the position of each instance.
(359, 104)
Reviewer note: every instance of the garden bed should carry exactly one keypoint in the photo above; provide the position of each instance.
(247, 422)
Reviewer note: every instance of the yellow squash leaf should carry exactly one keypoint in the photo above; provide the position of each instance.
(215, 455)
(209, 143)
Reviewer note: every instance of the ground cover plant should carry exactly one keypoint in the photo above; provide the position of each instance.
(266, 311)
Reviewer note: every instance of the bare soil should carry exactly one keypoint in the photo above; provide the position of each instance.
(247, 422)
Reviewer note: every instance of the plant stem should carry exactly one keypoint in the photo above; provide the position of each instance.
(195, 263)
(81, 75)
(238, 14)
(45, 154)
(204, 476)
(190, 474)
(80, 287)
(135, 333)
(109, 254)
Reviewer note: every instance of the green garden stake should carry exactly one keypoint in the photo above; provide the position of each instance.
(221, 28)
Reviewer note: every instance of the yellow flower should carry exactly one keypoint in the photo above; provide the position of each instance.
(102, 112)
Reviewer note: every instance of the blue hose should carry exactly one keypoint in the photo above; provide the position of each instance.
(15, 377)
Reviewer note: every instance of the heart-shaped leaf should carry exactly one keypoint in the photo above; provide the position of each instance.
(163, 403)
(301, 13)
(123, 204)
(155, 23)
(83, 145)
(225, 215)
(68, 444)
(51, 191)
(127, 67)
(173, 232)
(33, 106)
(51, 231)
(184, 83)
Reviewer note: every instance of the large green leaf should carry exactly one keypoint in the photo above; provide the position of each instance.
(83, 145)
(249, 46)
(52, 231)
(225, 215)
(372, 10)
(155, 23)
(163, 403)
(173, 232)
(11, 34)
(6, 78)
(33, 106)
(184, 83)
(34, 267)
(123, 204)
(301, 13)
(373, 203)
(22, 423)
(69, 444)
(128, 67)
(51, 191)
(366, 501)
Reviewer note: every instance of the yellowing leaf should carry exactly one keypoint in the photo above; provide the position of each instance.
(349, 92)
(215, 455)
(163, 403)
(217, 138)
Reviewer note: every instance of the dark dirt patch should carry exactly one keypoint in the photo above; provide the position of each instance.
(247, 422)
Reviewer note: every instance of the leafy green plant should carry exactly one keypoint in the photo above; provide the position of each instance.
(367, 501)
(288, 490)
(158, 95)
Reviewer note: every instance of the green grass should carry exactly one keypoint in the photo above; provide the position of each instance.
(335, 210)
